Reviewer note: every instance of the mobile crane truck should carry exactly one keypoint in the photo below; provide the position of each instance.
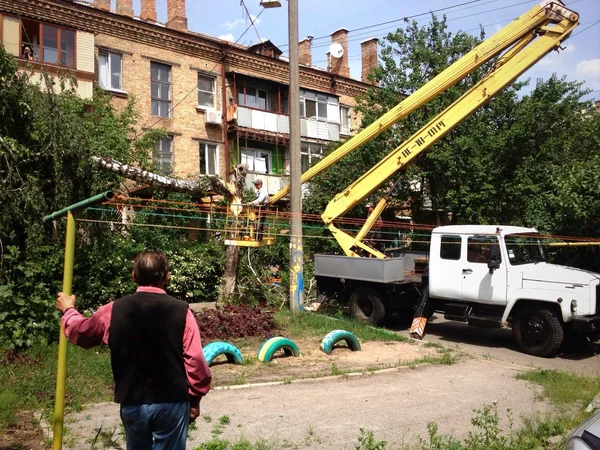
(485, 275)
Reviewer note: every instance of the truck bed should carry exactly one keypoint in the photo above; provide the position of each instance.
(397, 269)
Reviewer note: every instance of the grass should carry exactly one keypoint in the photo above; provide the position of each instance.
(28, 379)
(564, 389)
(311, 324)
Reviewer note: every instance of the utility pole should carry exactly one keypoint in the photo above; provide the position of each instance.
(296, 251)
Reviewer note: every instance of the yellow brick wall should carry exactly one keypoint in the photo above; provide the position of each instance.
(187, 124)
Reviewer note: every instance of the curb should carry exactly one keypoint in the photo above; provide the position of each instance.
(317, 379)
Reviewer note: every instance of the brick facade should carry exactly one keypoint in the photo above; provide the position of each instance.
(140, 42)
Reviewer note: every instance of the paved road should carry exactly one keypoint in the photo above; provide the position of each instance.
(498, 344)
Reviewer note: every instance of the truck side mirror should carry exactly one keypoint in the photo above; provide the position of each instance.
(493, 264)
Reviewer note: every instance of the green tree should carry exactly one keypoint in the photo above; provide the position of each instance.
(46, 140)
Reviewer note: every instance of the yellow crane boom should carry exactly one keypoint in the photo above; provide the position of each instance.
(539, 16)
(532, 36)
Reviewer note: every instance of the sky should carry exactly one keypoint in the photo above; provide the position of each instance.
(228, 19)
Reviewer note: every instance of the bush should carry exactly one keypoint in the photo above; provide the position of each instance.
(234, 322)
(196, 272)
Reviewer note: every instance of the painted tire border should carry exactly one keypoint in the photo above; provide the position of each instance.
(336, 336)
(270, 346)
(214, 349)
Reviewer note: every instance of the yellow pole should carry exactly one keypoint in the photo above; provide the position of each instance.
(61, 376)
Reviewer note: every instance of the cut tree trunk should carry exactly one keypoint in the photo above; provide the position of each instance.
(203, 186)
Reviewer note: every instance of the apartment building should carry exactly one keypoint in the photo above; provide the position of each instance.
(221, 103)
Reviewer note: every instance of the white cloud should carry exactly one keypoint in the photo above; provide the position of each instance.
(227, 37)
(589, 71)
(589, 68)
(236, 23)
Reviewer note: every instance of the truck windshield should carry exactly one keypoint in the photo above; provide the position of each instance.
(524, 249)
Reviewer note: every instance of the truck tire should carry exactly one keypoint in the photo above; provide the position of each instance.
(214, 349)
(367, 306)
(538, 331)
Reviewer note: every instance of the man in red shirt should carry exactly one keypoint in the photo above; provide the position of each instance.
(156, 355)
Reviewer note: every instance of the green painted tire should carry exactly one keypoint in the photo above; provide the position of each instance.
(336, 336)
(214, 349)
(270, 346)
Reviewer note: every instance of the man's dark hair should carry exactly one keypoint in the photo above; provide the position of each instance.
(150, 268)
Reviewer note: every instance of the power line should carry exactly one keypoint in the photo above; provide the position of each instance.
(360, 36)
(251, 21)
(586, 28)
(196, 86)
(397, 20)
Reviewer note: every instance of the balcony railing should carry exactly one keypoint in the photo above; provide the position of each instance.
(274, 183)
(280, 123)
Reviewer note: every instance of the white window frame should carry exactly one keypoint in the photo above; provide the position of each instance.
(248, 151)
(310, 151)
(107, 84)
(204, 149)
(345, 113)
(168, 102)
(158, 154)
(258, 90)
(327, 102)
(213, 81)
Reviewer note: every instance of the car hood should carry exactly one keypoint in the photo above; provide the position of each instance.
(551, 273)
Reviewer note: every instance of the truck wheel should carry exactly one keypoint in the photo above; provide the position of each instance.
(538, 331)
(367, 306)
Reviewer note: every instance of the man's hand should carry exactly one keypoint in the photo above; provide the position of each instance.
(194, 408)
(64, 302)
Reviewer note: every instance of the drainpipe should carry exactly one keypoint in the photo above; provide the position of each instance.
(224, 103)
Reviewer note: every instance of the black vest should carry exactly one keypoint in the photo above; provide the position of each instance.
(146, 347)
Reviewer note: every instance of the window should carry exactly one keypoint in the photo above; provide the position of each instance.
(48, 43)
(109, 70)
(480, 249)
(253, 97)
(209, 159)
(163, 154)
(320, 107)
(309, 152)
(160, 75)
(450, 247)
(344, 120)
(258, 161)
(524, 249)
(206, 91)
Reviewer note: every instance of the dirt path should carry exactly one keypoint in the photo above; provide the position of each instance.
(327, 412)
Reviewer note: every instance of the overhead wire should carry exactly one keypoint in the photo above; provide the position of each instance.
(195, 88)
(356, 222)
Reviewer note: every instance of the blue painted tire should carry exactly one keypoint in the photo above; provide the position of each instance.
(270, 346)
(339, 335)
(214, 349)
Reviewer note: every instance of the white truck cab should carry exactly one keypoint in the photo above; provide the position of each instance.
(501, 273)
(486, 275)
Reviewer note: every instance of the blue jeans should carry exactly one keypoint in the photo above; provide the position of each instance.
(159, 426)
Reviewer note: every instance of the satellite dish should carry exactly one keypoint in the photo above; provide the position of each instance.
(336, 50)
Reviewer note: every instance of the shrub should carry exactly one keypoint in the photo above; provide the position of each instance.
(235, 321)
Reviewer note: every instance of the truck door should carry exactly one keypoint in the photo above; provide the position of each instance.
(478, 284)
(445, 265)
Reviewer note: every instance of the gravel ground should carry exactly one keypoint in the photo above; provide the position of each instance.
(327, 413)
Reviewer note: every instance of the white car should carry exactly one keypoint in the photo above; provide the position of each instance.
(586, 436)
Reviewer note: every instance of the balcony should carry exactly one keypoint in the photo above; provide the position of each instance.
(274, 183)
(279, 123)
